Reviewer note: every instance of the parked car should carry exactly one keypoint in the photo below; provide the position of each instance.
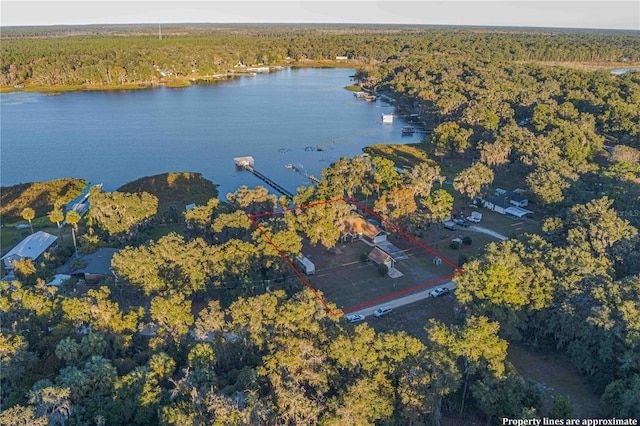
(382, 311)
(355, 318)
(450, 226)
(439, 292)
(461, 222)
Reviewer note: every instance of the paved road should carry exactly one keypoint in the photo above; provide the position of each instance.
(401, 301)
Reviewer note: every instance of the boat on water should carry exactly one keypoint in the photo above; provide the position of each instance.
(387, 118)
(408, 130)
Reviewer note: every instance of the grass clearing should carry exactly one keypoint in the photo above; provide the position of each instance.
(407, 155)
(348, 281)
(558, 377)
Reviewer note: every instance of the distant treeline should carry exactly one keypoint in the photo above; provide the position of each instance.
(136, 54)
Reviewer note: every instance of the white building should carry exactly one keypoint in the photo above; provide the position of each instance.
(31, 247)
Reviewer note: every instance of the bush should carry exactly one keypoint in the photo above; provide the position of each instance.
(382, 268)
(454, 245)
(466, 241)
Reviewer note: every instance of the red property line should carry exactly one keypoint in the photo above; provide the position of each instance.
(262, 231)
(459, 270)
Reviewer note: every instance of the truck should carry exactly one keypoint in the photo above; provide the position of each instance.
(307, 265)
(475, 217)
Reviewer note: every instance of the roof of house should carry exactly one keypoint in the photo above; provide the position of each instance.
(379, 256)
(502, 201)
(357, 225)
(518, 197)
(32, 246)
(517, 211)
(98, 263)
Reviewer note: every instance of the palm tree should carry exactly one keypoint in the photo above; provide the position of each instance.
(56, 216)
(73, 217)
(27, 214)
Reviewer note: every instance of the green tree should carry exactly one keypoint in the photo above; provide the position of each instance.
(73, 218)
(450, 137)
(384, 175)
(440, 204)
(470, 182)
(121, 214)
(561, 408)
(170, 265)
(172, 318)
(28, 214)
(56, 216)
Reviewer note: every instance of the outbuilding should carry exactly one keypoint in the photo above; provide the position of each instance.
(381, 257)
(307, 265)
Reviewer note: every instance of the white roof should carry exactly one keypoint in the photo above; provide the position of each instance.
(32, 246)
(517, 211)
(59, 279)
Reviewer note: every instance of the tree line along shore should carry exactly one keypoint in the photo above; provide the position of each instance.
(205, 322)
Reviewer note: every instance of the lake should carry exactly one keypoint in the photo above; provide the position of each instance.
(293, 116)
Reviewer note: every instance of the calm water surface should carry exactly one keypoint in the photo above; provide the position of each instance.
(288, 117)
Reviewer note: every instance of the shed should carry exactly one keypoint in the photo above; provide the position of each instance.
(31, 247)
(381, 257)
(307, 265)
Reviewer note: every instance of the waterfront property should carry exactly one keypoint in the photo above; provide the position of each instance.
(32, 247)
(96, 265)
(358, 228)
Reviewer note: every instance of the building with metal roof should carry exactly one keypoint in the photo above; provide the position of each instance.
(31, 247)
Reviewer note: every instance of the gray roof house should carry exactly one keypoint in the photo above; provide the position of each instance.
(98, 264)
(32, 247)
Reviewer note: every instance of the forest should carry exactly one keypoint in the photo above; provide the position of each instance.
(203, 322)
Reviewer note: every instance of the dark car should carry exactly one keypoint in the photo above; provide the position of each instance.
(450, 226)
(461, 222)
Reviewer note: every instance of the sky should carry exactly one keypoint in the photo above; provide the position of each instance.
(597, 14)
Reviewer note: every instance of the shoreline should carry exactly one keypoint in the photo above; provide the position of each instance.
(176, 82)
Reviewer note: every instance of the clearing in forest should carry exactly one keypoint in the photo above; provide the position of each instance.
(349, 277)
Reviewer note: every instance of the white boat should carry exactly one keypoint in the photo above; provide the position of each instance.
(387, 118)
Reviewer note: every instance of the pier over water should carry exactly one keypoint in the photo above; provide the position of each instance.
(247, 163)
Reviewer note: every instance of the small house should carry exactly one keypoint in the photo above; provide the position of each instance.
(497, 203)
(381, 257)
(33, 246)
(358, 228)
(518, 198)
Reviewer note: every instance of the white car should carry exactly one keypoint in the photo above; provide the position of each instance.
(382, 311)
(355, 318)
(439, 291)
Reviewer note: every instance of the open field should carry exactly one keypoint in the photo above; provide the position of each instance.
(349, 282)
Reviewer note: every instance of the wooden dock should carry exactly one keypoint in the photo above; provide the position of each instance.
(247, 163)
(300, 169)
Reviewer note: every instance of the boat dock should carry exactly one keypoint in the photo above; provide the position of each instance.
(300, 169)
(247, 163)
